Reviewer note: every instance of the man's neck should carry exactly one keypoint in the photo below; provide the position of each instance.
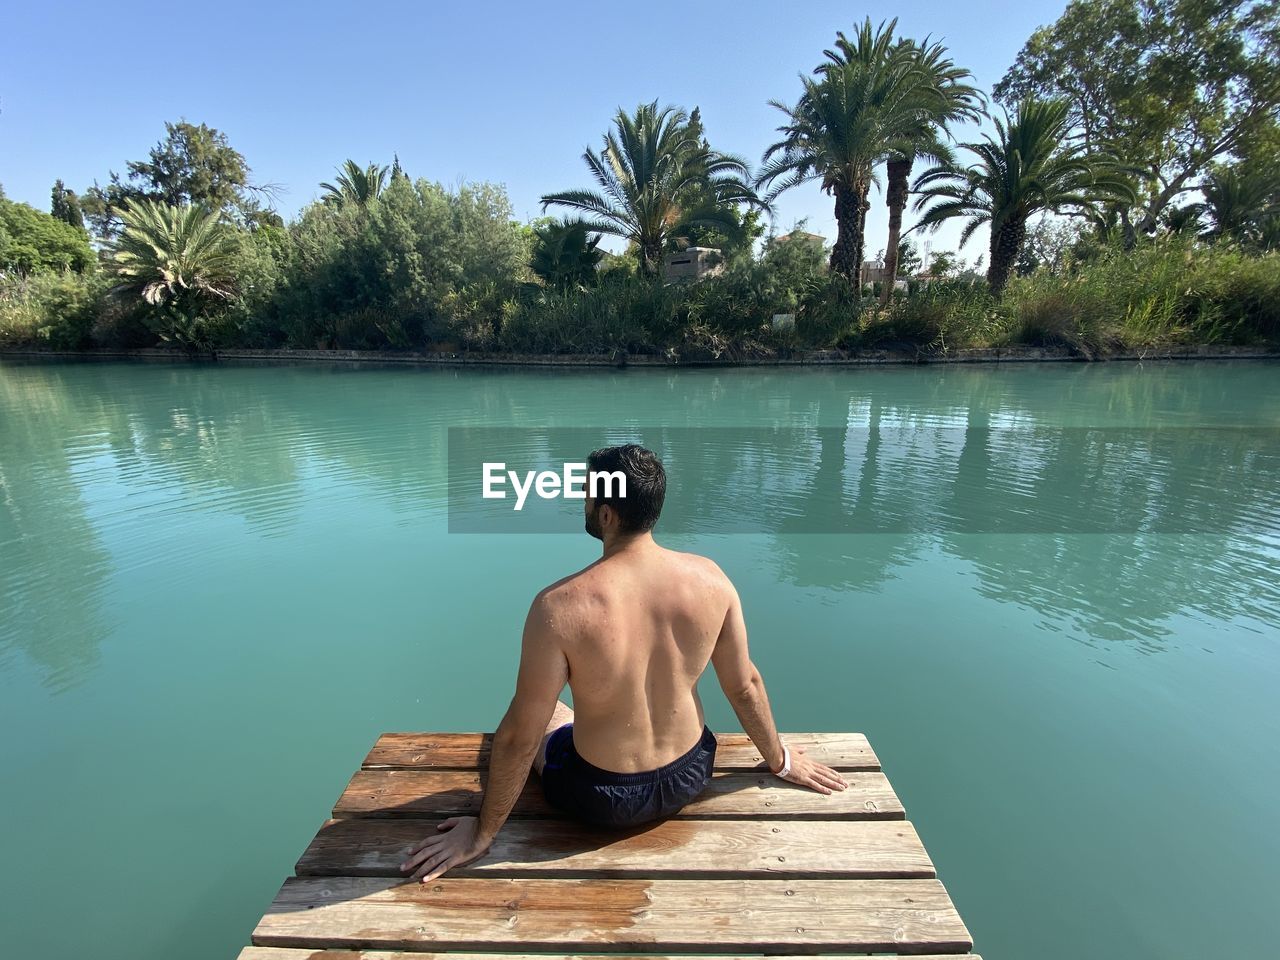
(626, 543)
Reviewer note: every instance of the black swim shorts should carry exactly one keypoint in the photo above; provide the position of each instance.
(604, 797)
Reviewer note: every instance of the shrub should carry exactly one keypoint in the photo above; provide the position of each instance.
(419, 263)
(830, 313)
(743, 299)
(941, 315)
(1168, 290)
(739, 301)
(621, 315)
(1236, 297)
(1046, 310)
(54, 309)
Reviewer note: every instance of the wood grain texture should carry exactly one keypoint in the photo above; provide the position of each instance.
(734, 751)
(446, 793)
(375, 847)
(796, 916)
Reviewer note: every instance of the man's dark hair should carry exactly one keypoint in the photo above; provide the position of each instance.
(646, 487)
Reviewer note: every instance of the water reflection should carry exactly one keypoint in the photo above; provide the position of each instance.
(1107, 500)
(52, 563)
(1128, 589)
(899, 479)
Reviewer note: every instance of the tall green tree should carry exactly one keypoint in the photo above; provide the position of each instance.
(1028, 167)
(32, 241)
(942, 97)
(65, 206)
(356, 184)
(860, 103)
(1170, 87)
(180, 261)
(194, 165)
(657, 179)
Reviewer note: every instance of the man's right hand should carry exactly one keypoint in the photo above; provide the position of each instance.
(812, 774)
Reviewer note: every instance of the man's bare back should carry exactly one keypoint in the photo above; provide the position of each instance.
(630, 635)
(638, 629)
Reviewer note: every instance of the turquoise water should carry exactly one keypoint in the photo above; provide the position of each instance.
(1058, 625)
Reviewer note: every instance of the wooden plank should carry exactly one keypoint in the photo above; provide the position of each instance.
(447, 793)
(287, 953)
(793, 916)
(734, 751)
(373, 847)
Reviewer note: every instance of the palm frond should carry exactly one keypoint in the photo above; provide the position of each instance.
(355, 184)
(166, 254)
(651, 169)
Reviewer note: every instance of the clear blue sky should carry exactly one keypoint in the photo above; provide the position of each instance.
(477, 91)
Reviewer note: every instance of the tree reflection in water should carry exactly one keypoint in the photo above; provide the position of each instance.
(1053, 484)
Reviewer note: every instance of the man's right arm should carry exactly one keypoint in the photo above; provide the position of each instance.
(744, 688)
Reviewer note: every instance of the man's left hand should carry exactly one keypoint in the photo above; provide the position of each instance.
(458, 842)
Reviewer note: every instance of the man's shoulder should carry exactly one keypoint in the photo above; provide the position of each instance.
(567, 589)
(695, 565)
(594, 582)
(697, 561)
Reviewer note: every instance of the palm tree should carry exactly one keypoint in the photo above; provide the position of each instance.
(173, 256)
(656, 178)
(565, 255)
(355, 184)
(860, 103)
(1180, 220)
(1242, 206)
(1030, 166)
(177, 259)
(942, 97)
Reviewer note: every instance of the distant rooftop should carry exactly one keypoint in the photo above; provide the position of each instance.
(800, 235)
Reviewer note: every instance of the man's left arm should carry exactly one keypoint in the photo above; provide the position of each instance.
(543, 674)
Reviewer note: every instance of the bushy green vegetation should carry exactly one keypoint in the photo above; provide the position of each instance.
(58, 310)
(419, 264)
(1107, 231)
(32, 241)
(1166, 292)
(331, 283)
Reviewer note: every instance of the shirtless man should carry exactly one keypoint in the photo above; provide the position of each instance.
(631, 634)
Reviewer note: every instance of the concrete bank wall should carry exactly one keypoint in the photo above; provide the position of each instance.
(828, 358)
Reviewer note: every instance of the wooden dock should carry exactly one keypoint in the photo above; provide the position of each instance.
(753, 866)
